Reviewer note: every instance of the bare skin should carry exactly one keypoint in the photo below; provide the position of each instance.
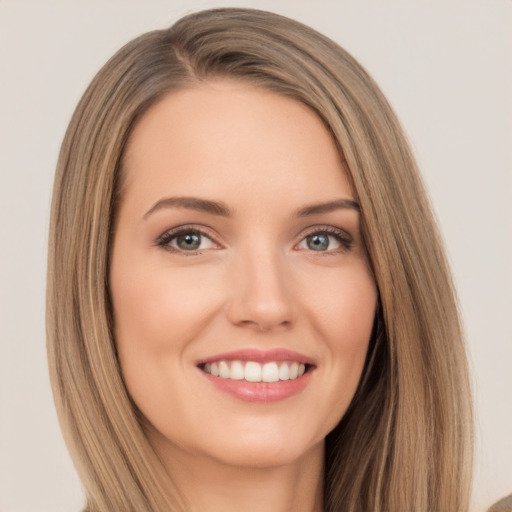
(297, 486)
(238, 246)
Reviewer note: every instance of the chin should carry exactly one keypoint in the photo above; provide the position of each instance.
(264, 454)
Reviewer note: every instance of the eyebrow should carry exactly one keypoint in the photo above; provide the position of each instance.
(221, 209)
(191, 203)
(330, 206)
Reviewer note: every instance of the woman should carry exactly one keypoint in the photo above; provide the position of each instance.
(248, 302)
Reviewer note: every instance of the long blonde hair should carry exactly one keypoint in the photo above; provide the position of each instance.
(406, 441)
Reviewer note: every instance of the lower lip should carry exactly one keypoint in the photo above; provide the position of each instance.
(262, 392)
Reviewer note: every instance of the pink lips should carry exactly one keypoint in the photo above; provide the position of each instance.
(262, 392)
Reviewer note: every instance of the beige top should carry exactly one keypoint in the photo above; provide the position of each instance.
(504, 505)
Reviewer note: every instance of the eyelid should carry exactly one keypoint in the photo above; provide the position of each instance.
(167, 236)
(164, 239)
(343, 236)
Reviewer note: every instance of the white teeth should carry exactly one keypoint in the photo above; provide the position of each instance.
(270, 372)
(256, 372)
(223, 370)
(237, 371)
(252, 372)
(284, 372)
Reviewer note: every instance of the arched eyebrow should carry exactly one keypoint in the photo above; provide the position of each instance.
(221, 209)
(330, 206)
(191, 203)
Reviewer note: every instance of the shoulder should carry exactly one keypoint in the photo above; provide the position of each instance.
(504, 505)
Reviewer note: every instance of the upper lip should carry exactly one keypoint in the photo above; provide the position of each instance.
(259, 356)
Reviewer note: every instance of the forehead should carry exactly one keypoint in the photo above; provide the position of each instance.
(226, 135)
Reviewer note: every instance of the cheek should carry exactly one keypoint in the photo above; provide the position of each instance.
(156, 308)
(344, 302)
(343, 308)
(158, 313)
(353, 323)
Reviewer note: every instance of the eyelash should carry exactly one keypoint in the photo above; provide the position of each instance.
(345, 240)
(166, 238)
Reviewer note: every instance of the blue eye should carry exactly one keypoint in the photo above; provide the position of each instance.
(318, 242)
(324, 241)
(188, 240)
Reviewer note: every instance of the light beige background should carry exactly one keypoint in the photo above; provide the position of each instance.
(446, 68)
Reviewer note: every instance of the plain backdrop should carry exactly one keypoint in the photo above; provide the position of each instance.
(445, 67)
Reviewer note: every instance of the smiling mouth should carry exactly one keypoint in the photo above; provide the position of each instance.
(252, 371)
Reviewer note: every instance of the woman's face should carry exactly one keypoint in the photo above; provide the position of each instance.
(243, 301)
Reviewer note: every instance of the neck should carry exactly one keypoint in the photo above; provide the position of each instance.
(207, 484)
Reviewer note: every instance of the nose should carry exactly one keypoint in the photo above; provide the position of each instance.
(259, 295)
